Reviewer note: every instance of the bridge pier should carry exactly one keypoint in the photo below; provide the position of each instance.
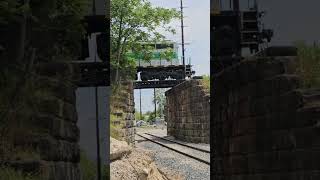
(188, 112)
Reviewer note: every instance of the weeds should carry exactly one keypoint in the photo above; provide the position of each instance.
(309, 64)
(206, 83)
(88, 168)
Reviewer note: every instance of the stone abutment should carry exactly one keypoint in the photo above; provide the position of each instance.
(188, 112)
(264, 124)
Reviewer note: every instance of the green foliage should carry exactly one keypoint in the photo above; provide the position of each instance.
(114, 129)
(206, 82)
(53, 28)
(62, 20)
(88, 168)
(138, 117)
(132, 22)
(8, 9)
(7, 173)
(309, 64)
(151, 117)
(169, 54)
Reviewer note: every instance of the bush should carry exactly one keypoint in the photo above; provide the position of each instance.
(309, 64)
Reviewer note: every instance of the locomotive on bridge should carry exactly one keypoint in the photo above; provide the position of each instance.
(159, 67)
(235, 24)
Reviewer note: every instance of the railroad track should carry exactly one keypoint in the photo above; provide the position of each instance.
(185, 145)
(195, 151)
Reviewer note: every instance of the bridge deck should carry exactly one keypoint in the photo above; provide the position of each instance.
(156, 84)
(93, 74)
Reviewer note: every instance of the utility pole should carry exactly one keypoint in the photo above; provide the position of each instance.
(182, 38)
(140, 106)
(155, 102)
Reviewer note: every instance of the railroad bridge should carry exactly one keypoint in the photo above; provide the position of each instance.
(187, 112)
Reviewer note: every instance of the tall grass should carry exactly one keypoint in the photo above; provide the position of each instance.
(88, 168)
(206, 83)
(309, 64)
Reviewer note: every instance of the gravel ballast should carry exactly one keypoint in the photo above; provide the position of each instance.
(169, 160)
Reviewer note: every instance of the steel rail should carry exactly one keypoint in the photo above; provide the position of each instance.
(191, 147)
(180, 152)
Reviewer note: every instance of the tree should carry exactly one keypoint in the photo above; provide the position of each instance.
(51, 27)
(169, 55)
(133, 22)
(147, 54)
(160, 100)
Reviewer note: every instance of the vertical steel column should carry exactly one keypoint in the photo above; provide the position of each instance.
(97, 108)
(98, 135)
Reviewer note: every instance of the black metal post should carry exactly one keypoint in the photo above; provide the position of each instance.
(182, 38)
(97, 109)
(98, 135)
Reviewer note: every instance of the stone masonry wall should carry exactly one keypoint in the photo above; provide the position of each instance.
(264, 126)
(51, 136)
(188, 112)
(122, 107)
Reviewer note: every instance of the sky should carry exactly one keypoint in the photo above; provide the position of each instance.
(292, 20)
(197, 33)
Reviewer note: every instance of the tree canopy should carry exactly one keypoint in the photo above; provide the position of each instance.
(132, 22)
(52, 28)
